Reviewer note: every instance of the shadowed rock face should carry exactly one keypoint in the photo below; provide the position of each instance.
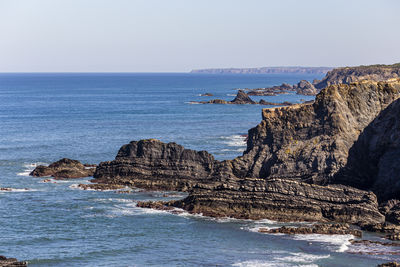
(64, 168)
(373, 161)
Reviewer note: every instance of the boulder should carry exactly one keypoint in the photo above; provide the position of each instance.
(63, 169)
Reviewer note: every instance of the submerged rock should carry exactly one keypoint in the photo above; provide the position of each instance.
(64, 168)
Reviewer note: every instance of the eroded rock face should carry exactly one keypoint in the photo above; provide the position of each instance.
(152, 164)
(64, 168)
(310, 142)
(373, 161)
(283, 200)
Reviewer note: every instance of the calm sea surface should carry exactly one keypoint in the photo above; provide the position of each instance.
(44, 117)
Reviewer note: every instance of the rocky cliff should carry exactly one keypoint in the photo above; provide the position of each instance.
(353, 74)
(373, 161)
(310, 142)
(291, 156)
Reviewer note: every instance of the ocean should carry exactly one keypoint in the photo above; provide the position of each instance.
(88, 117)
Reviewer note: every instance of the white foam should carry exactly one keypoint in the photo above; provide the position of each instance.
(17, 190)
(255, 263)
(230, 94)
(29, 167)
(340, 242)
(301, 257)
(234, 140)
(193, 103)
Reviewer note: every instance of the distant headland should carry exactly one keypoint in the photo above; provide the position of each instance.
(265, 70)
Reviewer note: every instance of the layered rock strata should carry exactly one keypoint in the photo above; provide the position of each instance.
(64, 169)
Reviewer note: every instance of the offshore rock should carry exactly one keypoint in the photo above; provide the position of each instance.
(64, 168)
(324, 229)
(283, 200)
(349, 75)
(242, 98)
(11, 262)
(305, 88)
(151, 164)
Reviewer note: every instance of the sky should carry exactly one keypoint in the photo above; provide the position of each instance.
(180, 35)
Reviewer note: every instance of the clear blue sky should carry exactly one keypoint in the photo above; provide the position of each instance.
(180, 35)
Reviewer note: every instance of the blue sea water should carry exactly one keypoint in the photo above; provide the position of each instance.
(44, 117)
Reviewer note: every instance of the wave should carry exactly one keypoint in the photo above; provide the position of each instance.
(7, 189)
(234, 140)
(293, 259)
(29, 167)
(337, 243)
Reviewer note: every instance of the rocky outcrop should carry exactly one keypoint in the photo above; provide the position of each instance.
(206, 94)
(152, 164)
(63, 169)
(323, 229)
(271, 91)
(349, 75)
(263, 102)
(100, 187)
(242, 98)
(282, 200)
(11, 262)
(291, 156)
(305, 88)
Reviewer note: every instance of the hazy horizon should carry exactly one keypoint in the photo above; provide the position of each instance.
(179, 36)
